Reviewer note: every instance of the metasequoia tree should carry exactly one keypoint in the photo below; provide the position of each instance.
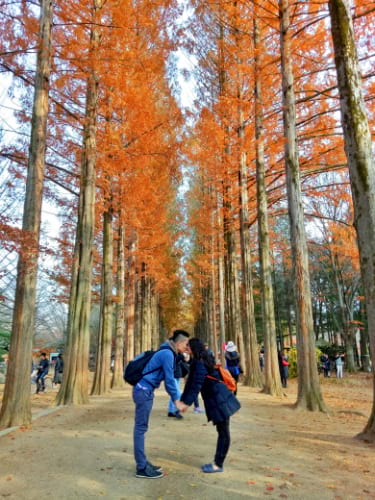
(272, 383)
(16, 409)
(253, 372)
(358, 150)
(102, 381)
(118, 368)
(309, 394)
(74, 389)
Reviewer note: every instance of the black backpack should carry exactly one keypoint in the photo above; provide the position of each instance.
(133, 372)
(134, 369)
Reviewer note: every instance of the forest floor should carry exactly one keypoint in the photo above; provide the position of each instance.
(276, 452)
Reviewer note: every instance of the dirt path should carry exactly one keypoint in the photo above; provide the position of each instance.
(276, 452)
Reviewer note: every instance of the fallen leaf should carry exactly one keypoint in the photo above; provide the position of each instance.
(251, 482)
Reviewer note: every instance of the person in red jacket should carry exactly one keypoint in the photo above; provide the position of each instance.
(283, 367)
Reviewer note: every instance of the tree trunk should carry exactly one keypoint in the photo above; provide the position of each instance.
(101, 384)
(221, 284)
(309, 393)
(16, 409)
(138, 315)
(130, 305)
(214, 337)
(365, 356)
(358, 150)
(272, 382)
(118, 369)
(74, 389)
(346, 326)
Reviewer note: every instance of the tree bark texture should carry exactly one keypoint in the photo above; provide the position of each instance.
(101, 383)
(253, 375)
(16, 409)
(272, 382)
(74, 389)
(358, 150)
(130, 304)
(309, 393)
(118, 369)
(221, 282)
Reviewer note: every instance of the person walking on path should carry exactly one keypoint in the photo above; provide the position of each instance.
(232, 362)
(43, 368)
(160, 367)
(220, 403)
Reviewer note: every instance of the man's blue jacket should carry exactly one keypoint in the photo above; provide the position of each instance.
(163, 362)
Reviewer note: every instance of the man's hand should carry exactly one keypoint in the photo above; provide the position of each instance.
(182, 407)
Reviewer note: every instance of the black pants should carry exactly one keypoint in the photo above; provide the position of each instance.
(223, 442)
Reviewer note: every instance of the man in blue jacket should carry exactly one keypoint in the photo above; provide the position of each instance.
(159, 368)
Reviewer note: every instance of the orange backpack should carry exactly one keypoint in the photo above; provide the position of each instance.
(227, 378)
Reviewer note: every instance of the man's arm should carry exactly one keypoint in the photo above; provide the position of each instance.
(168, 369)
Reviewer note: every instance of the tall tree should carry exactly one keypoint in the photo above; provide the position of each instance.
(309, 393)
(16, 407)
(101, 382)
(118, 369)
(272, 383)
(358, 150)
(74, 389)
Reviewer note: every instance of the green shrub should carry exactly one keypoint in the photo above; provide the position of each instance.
(292, 354)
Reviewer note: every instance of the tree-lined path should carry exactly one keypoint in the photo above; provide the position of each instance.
(205, 165)
(86, 452)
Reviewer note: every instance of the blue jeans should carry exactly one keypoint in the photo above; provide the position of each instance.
(41, 377)
(171, 406)
(143, 400)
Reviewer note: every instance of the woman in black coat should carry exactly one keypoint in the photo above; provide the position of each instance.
(219, 401)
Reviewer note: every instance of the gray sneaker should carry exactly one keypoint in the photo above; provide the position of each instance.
(148, 473)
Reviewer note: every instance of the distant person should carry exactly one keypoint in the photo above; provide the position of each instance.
(43, 368)
(159, 368)
(283, 368)
(232, 362)
(261, 360)
(59, 369)
(326, 365)
(210, 352)
(220, 403)
(339, 362)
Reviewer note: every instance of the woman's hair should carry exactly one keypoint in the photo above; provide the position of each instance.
(199, 351)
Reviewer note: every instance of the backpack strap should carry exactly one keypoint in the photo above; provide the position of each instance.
(216, 379)
(163, 348)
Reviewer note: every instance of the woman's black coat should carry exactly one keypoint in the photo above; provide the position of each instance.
(219, 402)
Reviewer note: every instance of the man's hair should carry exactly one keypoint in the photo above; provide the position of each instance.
(43, 354)
(179, 335)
